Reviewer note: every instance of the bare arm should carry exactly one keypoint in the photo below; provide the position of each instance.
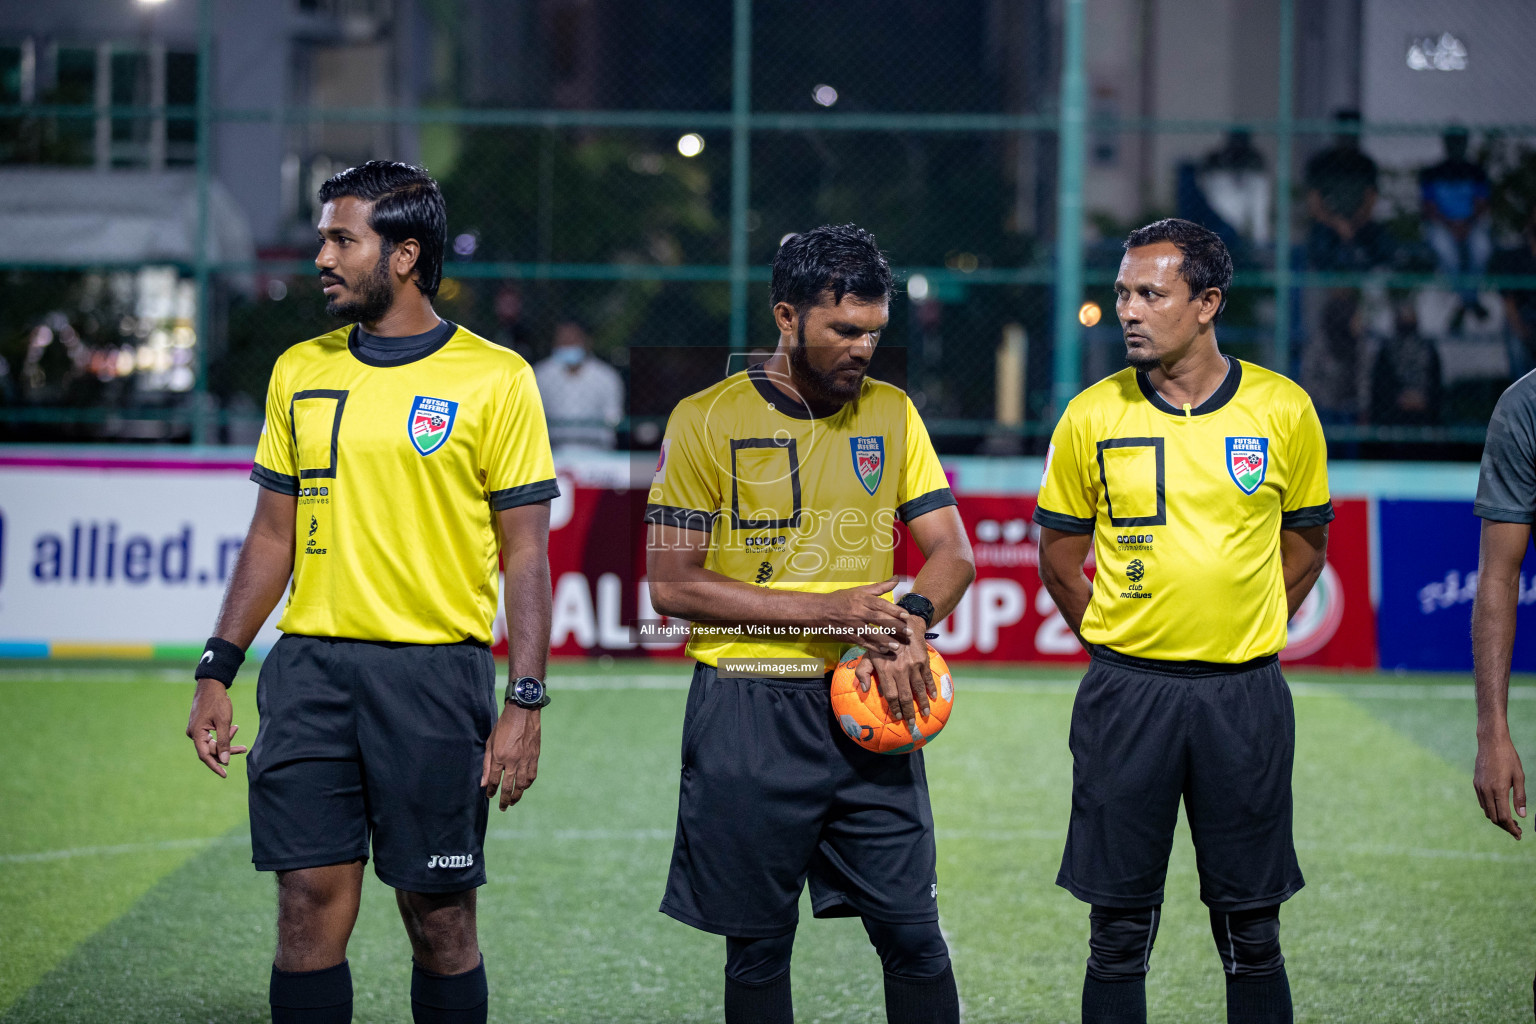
(906, 682)
(948, 565)
(261, 574)
(512, 753)
(1498, 769)
(1302, 554)
(1061, 570)
(681, 587)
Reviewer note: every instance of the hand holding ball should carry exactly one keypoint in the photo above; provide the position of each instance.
(865, 718)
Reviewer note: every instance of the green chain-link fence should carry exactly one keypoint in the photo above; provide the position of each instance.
(634, 167)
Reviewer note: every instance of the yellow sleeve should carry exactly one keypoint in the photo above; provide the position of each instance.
(924, 486)
(515, 455)
(1068, 499)
(685, 491)
(1306, 501)
(277, 465)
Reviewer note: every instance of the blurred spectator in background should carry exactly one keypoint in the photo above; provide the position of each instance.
(1456, 224)
(1520, 303)
(1331, 362)
(1405, 375)
(1341, 198)
(511, 331)
(1237, 186)
(583, 396)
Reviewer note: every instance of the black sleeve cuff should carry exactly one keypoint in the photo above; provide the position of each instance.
(1313, 515)
(278, 482)
(925, 503)
(1503, 515)
(686, 518)
(524, 494)
(1065, 524)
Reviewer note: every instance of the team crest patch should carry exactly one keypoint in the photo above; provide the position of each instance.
(868, 460)
(1247, 461)
(431, 423)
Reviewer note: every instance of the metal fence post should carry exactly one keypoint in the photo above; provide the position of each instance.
(1067, 363)
(201, 400)
(741, 155)
(1286, 115)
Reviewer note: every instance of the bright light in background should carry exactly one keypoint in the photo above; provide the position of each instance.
(824, 95)
(917, 287)
(466, 244)
(150, 3)
(691, 144)
(1089, 313)
(1442, 53)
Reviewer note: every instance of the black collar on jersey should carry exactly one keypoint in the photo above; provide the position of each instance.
(412, 345)
(786, 404)
(1219, 398)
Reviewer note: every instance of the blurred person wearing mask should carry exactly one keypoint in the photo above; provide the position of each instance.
(583, 396)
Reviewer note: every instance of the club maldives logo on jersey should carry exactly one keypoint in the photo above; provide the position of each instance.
(431, 423)
(1247, 461)
(868, 460)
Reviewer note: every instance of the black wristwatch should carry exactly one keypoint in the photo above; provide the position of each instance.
(917, 604)
(527, 693)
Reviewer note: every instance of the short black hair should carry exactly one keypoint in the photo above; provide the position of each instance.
(1206, 262)
(406, 204)
(843, 259)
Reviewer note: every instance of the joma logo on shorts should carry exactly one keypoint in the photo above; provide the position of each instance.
(455, 860)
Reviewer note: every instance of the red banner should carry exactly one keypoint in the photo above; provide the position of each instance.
(597, 566)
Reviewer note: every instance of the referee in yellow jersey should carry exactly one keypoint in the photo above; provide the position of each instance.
(400, 453)
(770, 529)
(1201, 484)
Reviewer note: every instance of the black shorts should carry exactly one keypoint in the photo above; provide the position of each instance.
(772, 792)
(1146, 733)
(361, 739)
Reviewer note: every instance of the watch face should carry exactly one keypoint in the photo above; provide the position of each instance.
(529, 690)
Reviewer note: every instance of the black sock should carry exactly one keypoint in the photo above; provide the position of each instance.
(768, 1003)
(1259, 1000)
(1115, 1002)
(311, 997)
(922, 1000)
(448, 998)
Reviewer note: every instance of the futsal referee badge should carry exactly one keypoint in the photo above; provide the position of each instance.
(431, 423)
(868, 460)
(1247, 461)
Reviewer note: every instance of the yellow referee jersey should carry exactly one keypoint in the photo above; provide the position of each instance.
(399, 471)
(793, 502)
(1186, 508)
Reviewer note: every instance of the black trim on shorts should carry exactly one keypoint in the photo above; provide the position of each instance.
(282, 483)
(1160, 518)
(943, 497)
(682, 518)
(1179, 668)
(524, 494)
(1312, 515)
(1219, 398)
(1061, 522)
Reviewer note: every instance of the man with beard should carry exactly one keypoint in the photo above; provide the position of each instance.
(1201, 483)
(770, 529)
(399, 453)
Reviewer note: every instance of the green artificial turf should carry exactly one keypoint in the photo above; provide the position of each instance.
(128, 893)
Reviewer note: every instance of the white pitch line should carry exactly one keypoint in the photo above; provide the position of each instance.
(43, 856)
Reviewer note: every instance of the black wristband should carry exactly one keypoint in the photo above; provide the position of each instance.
(917, 604)
(221, 660)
